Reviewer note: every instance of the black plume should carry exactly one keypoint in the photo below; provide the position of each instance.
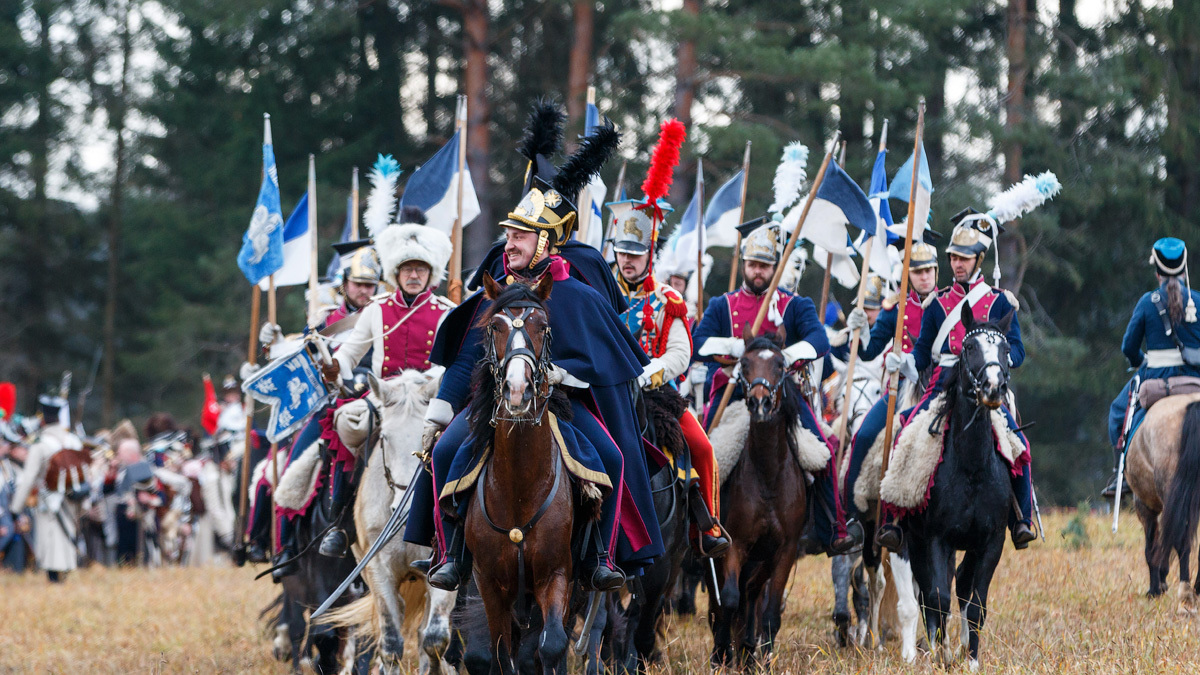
(543, 130)
(593, 152)
(412, 214)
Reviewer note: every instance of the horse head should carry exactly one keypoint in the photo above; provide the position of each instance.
(518, 346)
(404, 398)
(763, 377)
(984, 359)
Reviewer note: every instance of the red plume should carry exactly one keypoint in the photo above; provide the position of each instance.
(8, 399)
(663, 160)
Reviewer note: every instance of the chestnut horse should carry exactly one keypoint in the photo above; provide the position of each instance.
(766, 505)
(1163, 470)
(522, 517)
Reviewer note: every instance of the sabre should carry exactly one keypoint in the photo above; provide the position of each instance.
(593, 609)
(391, 529)
(1037, 511)
(716, 592)
(1129, 412)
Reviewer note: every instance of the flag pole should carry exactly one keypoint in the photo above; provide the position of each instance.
(274, 319)
(700, 238)
(454, 288)
(313, 301)
(585, 195)
(898, 339)
(829, 259)
(607, 247)
(856, 334)
(737, 247)
(252, 359)
(787, 252)
(354, 205)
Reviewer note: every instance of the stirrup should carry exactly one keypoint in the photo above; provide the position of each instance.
(334, 544)
(716, 545)
(890, 536)
(446, 576)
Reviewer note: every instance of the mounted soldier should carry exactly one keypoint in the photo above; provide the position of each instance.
(922, 283)
(940, 342)
(596, 362)
(658, 318)
(1165, 320)
(718, 341)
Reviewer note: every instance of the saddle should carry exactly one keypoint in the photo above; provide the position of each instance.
(1153, 391)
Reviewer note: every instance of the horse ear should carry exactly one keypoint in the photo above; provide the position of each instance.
(491, 289)
(377, 388)
(781, 337)
(968, 319)
(543, 287)
(1006, 323)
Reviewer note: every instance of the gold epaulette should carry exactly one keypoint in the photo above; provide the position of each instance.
(891, 301)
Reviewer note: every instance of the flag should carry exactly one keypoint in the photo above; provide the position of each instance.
(724, 210)
(297, 249)
(843, 269)
(262, 245)
(679, 251)
(902, 186)
(882, 236)
(434, 189)
(292, 387)
(839, 202)
(335, 265)
(595, 193)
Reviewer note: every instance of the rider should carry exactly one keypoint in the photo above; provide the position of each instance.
(1166, 319)
(922, 281)
(940, 342)
(596, 358)
(657, 317)
(718, 341)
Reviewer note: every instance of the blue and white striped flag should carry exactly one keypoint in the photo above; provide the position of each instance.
(902, 186)
(724, 210)
(877, 195)
(262, 245)
(297, 248)
(434, 188)
(596, 190)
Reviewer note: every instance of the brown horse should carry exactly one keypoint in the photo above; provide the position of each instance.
(765, 510)
(520, 523)
(1163, 470)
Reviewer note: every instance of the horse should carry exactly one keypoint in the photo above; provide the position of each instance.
(380, 615)
(520, 484)
(1162, 468)
(971, 495)
(766, 507)
(635, 646)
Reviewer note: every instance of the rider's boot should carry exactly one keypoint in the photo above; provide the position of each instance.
(889, 535)
(596, 571)
(448, 574)
(1110, 490)
(334, 544)
(1022, 534)
(1021, 515)
(711, 541)
(256, 553)
(285, 561)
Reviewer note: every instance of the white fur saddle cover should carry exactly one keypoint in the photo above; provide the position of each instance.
(917, 454)
(352, 422)
(866, 486)
(729, 439)
(299, 480)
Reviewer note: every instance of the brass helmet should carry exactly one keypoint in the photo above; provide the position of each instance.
(875, 291)
(923, 256)
(363, 266)
(973, 233)
(761, 242)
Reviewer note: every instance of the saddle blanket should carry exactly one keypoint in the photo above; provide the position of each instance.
(729, 440)
(299, 483)
(917, 454)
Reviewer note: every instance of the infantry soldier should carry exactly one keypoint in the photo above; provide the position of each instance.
(940, 342)
(1165, 319)
(718, 341)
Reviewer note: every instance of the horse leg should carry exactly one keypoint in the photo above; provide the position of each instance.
(745, 626)
(841, 569)
(907, 610)
(435, 634)
(1150, 528)
(772, 605)
(861, 601)
(933, 578)
(389, 612)
(553, 596)
(720, 613)
(496, 605)
(1187, 598)
(974, 579)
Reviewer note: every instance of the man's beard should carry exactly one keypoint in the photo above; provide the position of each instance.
(757, 287)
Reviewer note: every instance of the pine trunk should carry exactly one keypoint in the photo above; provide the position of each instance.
(113, 235)
(476, 27)
(1012, 244)
(685, 95)
(580, 69)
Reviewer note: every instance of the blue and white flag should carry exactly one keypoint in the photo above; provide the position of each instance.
(882, 236)
(592, 230)
(902, 186)
(335, 265)
(262, 245)
(679, 251)
(839, 202)
(724, 210)
(292, 386)
(297, 249)
(433, 188)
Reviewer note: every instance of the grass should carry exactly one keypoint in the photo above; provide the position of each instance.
(1055, 608)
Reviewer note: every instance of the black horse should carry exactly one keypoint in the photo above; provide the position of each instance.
(971, 497)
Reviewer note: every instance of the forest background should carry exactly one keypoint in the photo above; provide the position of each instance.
(130, 135)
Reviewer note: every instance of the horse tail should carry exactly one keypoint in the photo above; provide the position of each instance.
(413, 593)
(1182, 505)
(358, 616)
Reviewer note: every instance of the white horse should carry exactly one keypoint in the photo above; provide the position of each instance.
(379, 615)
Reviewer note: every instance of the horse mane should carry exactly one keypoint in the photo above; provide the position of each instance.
(483, 383)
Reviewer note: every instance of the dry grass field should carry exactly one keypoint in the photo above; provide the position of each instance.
(1055, 609)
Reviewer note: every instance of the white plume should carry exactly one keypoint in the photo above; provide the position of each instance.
(381, 203)
(790, 176)
(1024, 197)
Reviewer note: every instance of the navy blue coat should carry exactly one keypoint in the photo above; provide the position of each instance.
(1145, 325)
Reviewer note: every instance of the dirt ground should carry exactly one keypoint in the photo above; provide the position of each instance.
(1074, 604)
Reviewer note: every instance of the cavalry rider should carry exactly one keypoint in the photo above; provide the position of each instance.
(940, 343)
(1165, 319)
(922, 282)
(56, 516)
(596, 362)
(657, 317)
(718, 341)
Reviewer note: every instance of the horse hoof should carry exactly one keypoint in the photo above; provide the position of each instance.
(973, 665)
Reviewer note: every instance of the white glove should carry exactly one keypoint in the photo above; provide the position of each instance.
(269, 334)
(652, 375)
(801, 351)
(901, 362)
(839, 338)
(723, 346)
(437, 417)
(857, 319)
(247, 371)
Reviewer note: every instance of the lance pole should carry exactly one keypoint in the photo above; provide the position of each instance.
(585, 195)
(252, 359)
(314, 304)
(769, 296)
(898, 338)
(454, 288)
(737, 246)
(856, 335)
(354, 205)
(274, 319)
(607, 248)
(700, 238)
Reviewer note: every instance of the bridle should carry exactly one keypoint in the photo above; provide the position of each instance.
(773, 390)
(538, 363)
(975, 377)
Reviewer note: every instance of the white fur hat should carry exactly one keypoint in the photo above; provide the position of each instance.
(398, 244)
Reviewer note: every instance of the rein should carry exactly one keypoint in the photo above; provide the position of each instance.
(539, 364)
(975, 376)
